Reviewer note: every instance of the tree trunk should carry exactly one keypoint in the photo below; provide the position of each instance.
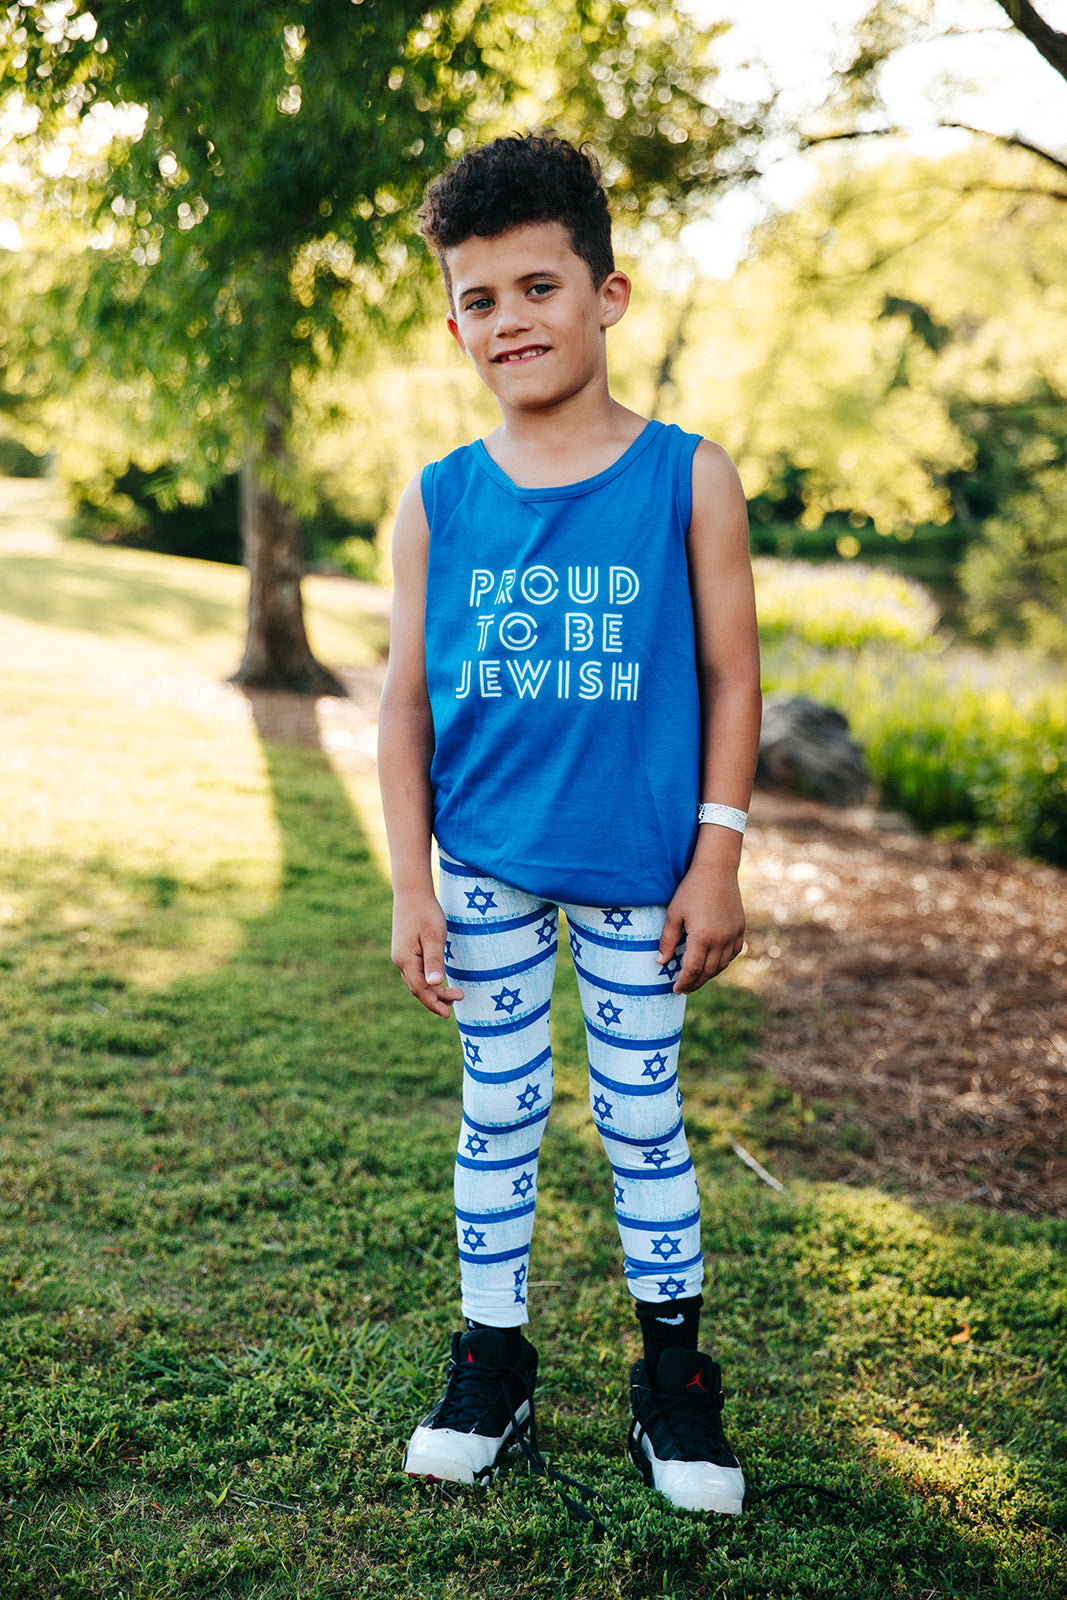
(277, 654)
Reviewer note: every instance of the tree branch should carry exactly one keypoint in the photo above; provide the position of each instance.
(1045, 40)
(1014, 140)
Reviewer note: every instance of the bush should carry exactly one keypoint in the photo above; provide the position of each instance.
(959, 741)
(841, 606)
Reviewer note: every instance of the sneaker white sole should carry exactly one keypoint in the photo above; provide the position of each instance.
(697, 1485)
(446, 1456)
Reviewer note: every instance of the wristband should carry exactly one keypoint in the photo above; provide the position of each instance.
(725, 816)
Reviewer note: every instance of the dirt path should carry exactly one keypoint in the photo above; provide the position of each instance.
(920, 989)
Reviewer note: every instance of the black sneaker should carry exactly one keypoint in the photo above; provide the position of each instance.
(487, 1404)
(676, 1439)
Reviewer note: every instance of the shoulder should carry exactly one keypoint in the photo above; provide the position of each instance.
(714, 473)
(720, 512)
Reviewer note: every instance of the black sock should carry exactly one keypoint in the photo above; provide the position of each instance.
(512, 1337)
(667, 1323)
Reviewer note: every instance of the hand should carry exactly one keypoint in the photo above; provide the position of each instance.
(707, 907)
(419, 932)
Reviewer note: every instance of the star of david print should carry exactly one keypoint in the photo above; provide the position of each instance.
(545, 931)
(472, 1052)
(448, 949)
(507, 999)
(479, 899)
(617, 917)
(656, 1158)
(671, 968)
(529, 1096)
(620, 1193)
(473, 1239)
(608, 1013)
(655, 1066)
(522, 1186)
(476, 1145)
(601, 1107)
(671, 1288)
(666, 1247)
(576, 945)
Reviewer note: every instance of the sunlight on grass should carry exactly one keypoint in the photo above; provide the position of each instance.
(226, 1141)
(83, 606)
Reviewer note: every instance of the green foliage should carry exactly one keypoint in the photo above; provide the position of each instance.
(956, 741)
(889, 371)
(17, 461)
(225, 1213)
(143, 509)
(841, 606)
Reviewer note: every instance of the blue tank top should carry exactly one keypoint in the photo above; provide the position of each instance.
(561, 668)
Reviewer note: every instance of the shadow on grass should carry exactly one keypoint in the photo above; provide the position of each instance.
(111, 600)
(227, 1213)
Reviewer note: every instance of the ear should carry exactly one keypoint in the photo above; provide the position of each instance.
(453, 328)
(614, 298)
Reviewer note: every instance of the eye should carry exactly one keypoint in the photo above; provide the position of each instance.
(481, 304)
(541, 289)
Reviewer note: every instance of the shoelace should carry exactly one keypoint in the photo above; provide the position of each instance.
(487, 1383)
(695, 1423)
(484, 1384)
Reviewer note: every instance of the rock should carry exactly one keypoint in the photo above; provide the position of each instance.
(807, 748)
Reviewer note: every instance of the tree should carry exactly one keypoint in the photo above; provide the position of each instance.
(886, 27)
(255, 196)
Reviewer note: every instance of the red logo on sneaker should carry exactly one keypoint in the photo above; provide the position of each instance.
(470, 1358)
(697, 1382)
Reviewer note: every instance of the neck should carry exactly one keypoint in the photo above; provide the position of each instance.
(567, 428)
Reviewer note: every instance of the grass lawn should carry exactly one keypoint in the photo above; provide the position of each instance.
(225, 1207)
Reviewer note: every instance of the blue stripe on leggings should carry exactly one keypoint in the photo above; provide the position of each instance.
(647, 1143)
(516, 1072)
(648, 1173)
(493, 1218)
(491, 974)
(507, 925)
(655, 1227)
(506, 1127)
(496, 1255)
(631, 1088)
(623, 988)
(485, 1030)
(656, 1269)
(618, 943)
(622, 1043)
(495, 1166)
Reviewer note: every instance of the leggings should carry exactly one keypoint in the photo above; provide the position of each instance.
(501, 951)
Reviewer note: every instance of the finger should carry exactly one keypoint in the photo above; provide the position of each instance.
(671, 937)
(433, 959)
(435, 998)
(694, 969)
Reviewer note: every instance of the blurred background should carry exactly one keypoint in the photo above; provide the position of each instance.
(847, 226)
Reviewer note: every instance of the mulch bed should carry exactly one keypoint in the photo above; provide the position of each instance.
(918, 991)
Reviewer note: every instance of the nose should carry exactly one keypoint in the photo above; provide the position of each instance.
(512, 315)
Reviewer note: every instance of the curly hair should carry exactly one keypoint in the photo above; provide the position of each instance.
(512, 181)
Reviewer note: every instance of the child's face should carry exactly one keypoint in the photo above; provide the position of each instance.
(528, 315)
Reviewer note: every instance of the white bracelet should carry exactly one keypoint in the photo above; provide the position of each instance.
(725, 816)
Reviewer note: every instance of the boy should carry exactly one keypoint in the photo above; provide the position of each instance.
(573, 668)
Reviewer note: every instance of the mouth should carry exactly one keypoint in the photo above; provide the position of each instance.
(529, 352)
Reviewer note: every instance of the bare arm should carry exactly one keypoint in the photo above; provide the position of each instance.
(405, 747)
(707, 902)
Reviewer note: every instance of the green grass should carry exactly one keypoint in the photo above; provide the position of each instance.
(225, 1223)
